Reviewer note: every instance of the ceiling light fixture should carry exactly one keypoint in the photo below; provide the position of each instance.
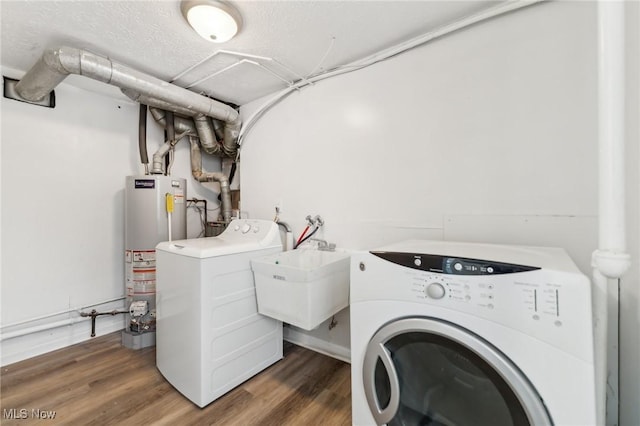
(214, 20)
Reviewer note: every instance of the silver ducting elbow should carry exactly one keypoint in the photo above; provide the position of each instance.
(218, 129)
(56, 64)
(196, 158)
(231, 133)
(43, 77)
(225, 193)
(182, 125)
(207, 136)
(157, 167)
(200, 176)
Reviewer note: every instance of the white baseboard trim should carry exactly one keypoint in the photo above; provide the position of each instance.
(30, 345)
(35, 337)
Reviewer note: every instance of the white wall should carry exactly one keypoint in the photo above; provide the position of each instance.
(489, 134)
(62, 204)
(630, 284)
(63, 173)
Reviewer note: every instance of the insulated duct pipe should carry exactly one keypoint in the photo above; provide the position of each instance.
(157, 167)
(206, 134)
(182, 125)
(142, 138)
(171, 138)
(166, 106)
(218, 129)
(200, 176)
(200, 126)
(56, 64)
(227, 133)
(171, 130)
(611, 260)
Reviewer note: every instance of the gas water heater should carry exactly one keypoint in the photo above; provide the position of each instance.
(155, 211)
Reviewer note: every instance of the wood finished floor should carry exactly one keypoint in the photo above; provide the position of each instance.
(101, 383)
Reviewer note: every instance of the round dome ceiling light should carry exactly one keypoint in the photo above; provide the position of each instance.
(214, 20)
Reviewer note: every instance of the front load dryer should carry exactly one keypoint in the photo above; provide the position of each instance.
(447, 333)
(210, 336)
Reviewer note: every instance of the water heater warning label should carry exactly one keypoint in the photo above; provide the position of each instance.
(140, 271)
(144, 257)
(178, 196)
(140, 257)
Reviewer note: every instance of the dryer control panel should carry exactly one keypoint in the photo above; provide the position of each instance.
(451, 265)
(471, 284)
(540, 296)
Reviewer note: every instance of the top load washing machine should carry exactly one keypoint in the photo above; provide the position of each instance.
(210, 336)
(447, 333)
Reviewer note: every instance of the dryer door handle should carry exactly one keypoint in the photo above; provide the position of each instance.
(382, 415)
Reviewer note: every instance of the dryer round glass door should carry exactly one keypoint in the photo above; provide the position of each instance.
(424, 371)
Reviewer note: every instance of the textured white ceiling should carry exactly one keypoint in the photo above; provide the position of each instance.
(302, 37)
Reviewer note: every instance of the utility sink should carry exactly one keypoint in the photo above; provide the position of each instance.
(302, 287)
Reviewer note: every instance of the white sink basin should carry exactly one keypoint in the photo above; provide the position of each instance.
(304, 265)
(302, 287)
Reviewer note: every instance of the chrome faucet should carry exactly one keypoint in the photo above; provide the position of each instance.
(323, 245)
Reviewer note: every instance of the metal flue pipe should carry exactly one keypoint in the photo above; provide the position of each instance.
(142, 138)
(206, 134)
(200, 125)
(155, 103)
(200, 176)
(181, 124)
(56, 64)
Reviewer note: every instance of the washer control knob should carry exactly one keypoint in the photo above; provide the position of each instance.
(435, 291)
(417, 262)
(246, 228)
(457, 266)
